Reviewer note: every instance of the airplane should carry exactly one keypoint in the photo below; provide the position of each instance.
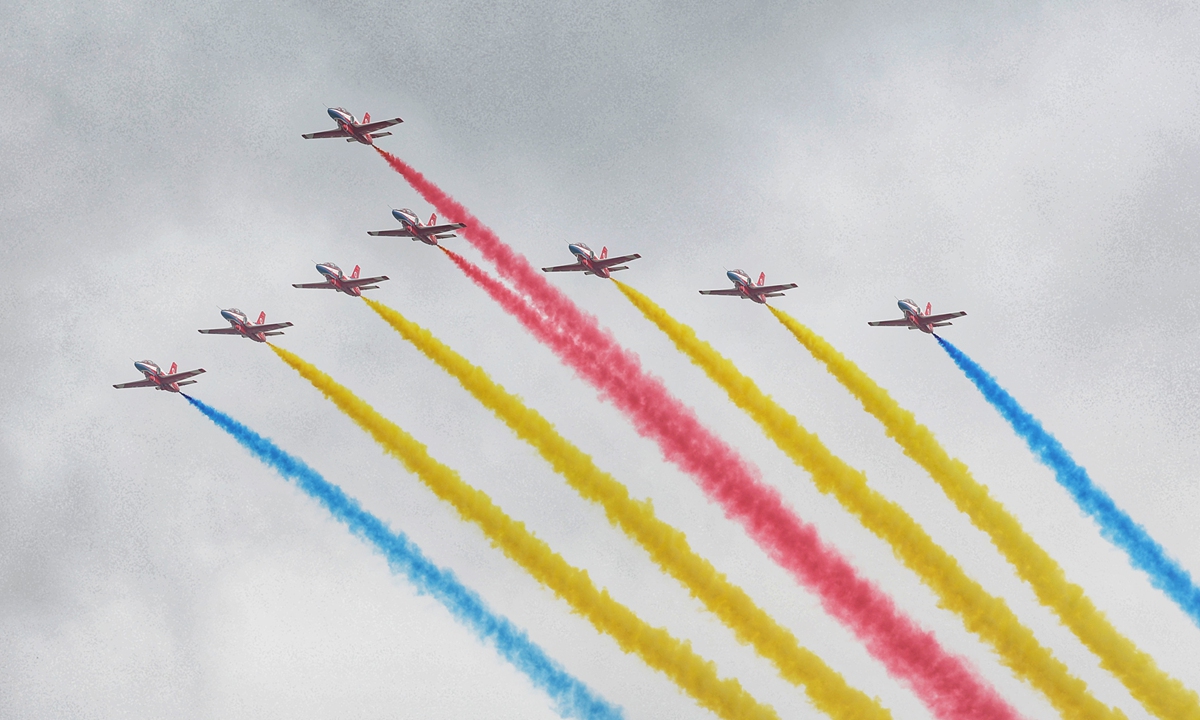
(914, 319)
(239, 324)
(587, 261)
(335, 279)
(353, 130)
(157, 379)
(428, 233)
(747, 290)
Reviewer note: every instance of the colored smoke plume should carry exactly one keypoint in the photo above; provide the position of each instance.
(984, 614)
(1117, 527)
(1157, 691)
(571, 697)
(667, 546)
(945, 683)
(692, 673)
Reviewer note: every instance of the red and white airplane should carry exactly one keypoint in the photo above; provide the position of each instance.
(348, 127)
(744, 288)
(335, 279)
(589, 263)
(428, 233)
(239, 324)
(914, 319)
(157, 379)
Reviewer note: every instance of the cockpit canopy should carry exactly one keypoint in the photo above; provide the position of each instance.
(235, 311)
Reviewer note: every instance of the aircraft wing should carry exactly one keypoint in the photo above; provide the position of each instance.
(943, 317)
(764, 289)
(221, 331)
(609, 262)
(326, 134)
(268, 327)
(372, 127)
(447, 227)
(727, 291)
(359, 282)
(398, 232)
(138, 383)
(183, 375)
(575, 267)
(314, 286)
(890, 323)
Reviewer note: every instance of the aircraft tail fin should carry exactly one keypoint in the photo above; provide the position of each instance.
(928, 308)
(432, 219)
(366, 118)
(174, 367)
(262, 318)
(354, 275)
(762, 278)
(604, 252)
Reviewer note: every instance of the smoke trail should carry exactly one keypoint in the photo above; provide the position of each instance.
(945, 683)
(1157, 691)
(1117, 527)
(668, 547)
(571, 697)
(984, 614)
(695, 675)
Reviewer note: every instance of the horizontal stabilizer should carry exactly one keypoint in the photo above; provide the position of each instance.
(379, 135)
(368, 287)
(943, 324)
(186, 382)
(773, 295)
(269, 334)
(619, 267)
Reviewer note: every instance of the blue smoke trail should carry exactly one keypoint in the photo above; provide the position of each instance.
(572, 698)
(1117, 527)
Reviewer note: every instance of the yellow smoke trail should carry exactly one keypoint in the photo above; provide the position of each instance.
(676, 659)
(1161, 694)
(984, 614)
(826, 688)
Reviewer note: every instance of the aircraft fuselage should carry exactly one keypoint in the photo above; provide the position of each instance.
(585, 256)
(337, 278)
(242, 324)
(744, 284)
(155, 374)
(349, 123)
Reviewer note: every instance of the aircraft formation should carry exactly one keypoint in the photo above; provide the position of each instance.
(587, 261)
(943, 680)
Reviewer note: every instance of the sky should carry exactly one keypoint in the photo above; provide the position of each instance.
(1034, 164)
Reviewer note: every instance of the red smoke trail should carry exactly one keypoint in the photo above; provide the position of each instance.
(945, 683)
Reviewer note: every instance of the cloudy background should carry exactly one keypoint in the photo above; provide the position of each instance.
(1033, 164)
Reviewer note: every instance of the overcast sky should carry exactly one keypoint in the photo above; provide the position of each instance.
(1033, 164)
